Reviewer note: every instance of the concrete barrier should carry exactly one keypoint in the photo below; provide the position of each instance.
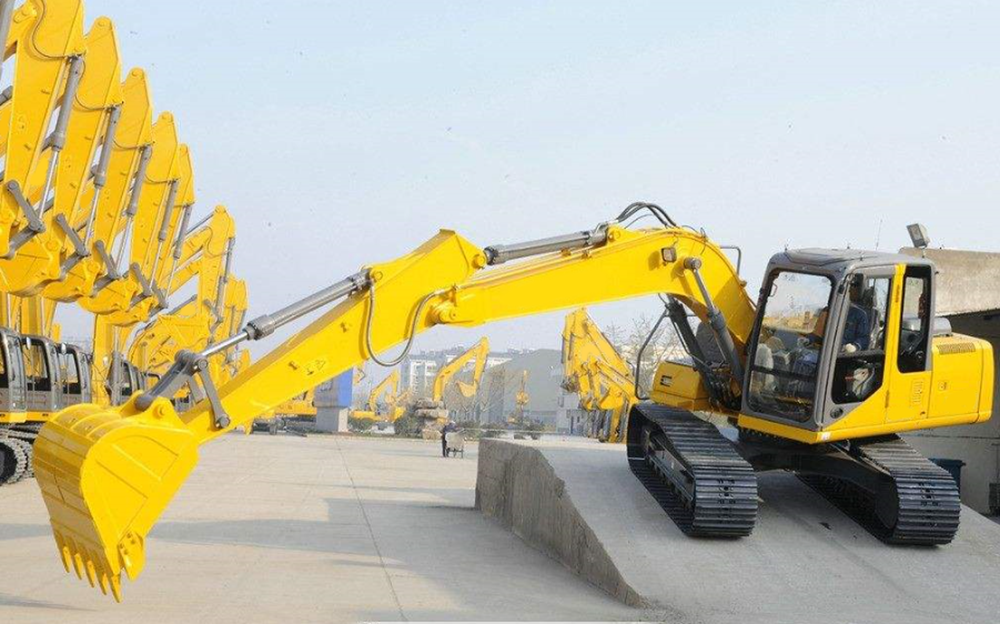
(805, 562)
(518, 486)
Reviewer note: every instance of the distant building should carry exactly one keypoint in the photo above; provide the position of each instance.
(498, 392)
(570, 419)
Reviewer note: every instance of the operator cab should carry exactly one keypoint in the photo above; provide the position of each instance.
(835, 328)
(13, 391)
(74, 373)
(41, 368)
(123, 380)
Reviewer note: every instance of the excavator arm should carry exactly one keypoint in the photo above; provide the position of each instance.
(207, 254)
(87, 115)
(46, 38)
(584, 342)
(121, 162)
(482, 352)
(207, 248)
(593, 368)
(387, 388)
(163, 172)
(388, 385)
(107, 474)
(614, 395)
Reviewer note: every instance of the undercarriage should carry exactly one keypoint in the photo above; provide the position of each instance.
(707, 482)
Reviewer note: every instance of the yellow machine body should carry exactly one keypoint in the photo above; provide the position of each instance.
(680, 385)
(958, 390)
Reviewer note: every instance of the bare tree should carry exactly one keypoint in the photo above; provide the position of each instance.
(663, 345)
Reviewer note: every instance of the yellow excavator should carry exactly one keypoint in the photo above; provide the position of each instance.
(40, 375)
(518, 419)
(274, 420)
(840, 354)
(433, 410)
(386, 392)
(594, 370)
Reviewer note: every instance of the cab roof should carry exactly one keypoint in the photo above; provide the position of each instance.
(842, 260)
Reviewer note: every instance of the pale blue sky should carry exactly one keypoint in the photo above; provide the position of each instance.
(343, 133)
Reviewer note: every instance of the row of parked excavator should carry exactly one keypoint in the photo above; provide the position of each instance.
(96, 206)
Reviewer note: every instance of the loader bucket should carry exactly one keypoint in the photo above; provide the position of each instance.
(106, 475)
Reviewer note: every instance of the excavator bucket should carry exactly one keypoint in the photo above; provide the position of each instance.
(106, 475)
(467, 390)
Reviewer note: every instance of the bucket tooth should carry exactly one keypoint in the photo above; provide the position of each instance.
(78, 565)
(64, 553)
(116, 587)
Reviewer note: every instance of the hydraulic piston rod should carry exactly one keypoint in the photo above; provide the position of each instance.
(266, 324)
(498, 254)
(188, 364)
(717, 321)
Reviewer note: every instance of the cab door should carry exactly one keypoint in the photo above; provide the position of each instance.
(55, 399)
(86, 392)
(16, 391)
(910, 383)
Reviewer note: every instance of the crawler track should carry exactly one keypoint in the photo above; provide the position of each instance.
(693, 472)
(926, 508)
(15, 458)
(16, 451)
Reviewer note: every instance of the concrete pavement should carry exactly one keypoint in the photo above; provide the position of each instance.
(318, 529)
(805, 561)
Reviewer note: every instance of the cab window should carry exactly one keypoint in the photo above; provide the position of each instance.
(4, 379)
(860, 363)
(793, 327)
(36, 366)
(914, 328)
(70, 372)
